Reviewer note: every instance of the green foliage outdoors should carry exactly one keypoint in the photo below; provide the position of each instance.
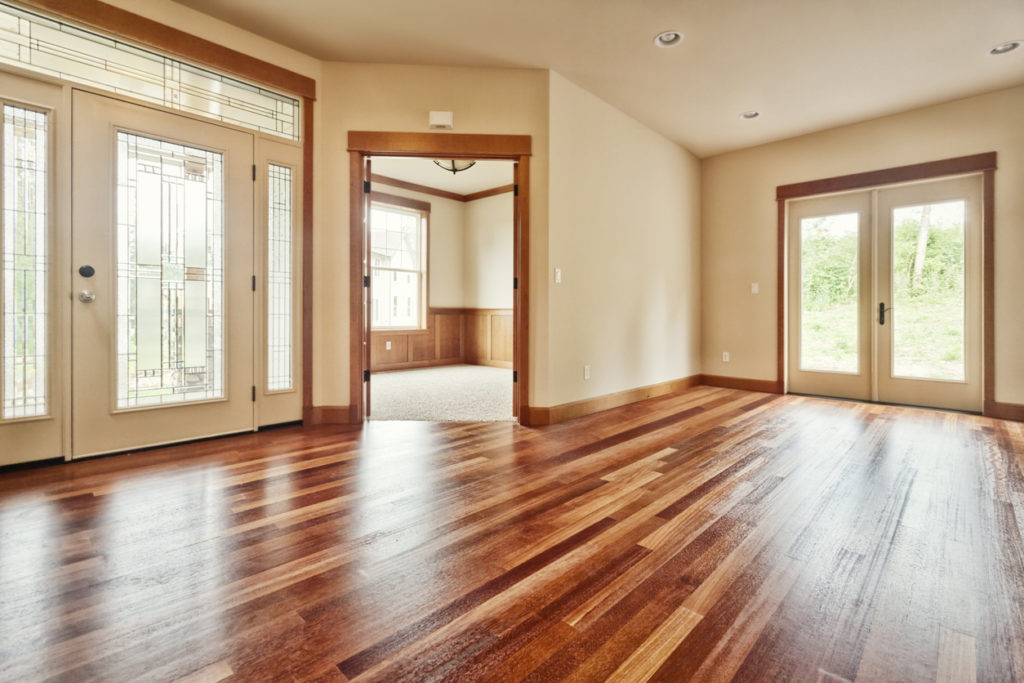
(928, 317)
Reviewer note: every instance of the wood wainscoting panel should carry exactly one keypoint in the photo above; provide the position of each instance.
(381, 354)
(477, 336)
(449, 337)
(501, 338)
(489, 339)
(421, 348)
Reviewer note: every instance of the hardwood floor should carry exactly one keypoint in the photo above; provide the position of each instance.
(712, 535)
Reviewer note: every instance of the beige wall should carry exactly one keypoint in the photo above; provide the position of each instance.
(445, 271)
(398, 98)
(739, 221)
(625, 230)
(488, 252)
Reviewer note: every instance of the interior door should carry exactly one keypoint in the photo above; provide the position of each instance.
(162, 264)
(928, 319)
(32, 345)
(830, 294)
(367, 321)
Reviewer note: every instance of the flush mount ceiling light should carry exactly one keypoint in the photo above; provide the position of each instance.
(749, 115)
(668, 38)
(1003, 48)
(453, 166)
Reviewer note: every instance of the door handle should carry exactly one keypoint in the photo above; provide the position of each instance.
(86, 296)
(881, 312)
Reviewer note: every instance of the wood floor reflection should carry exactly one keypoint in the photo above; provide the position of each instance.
(715, 534)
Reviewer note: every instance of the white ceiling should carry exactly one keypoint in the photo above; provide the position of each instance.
(805, 64)
(484, 175)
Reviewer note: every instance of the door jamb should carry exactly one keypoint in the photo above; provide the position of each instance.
(515, 148)
(985, 164)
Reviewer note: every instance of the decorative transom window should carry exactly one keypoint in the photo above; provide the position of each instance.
(47, 46)
(398, 266)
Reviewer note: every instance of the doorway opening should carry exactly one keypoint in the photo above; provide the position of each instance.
(493, 338)
(441, 296)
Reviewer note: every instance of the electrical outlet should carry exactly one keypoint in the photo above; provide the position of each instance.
(754, 288)
(558, 276)
(725, 356)
(387, 346)
(586, 372)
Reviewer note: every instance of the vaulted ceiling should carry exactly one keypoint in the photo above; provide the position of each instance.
(805, 65)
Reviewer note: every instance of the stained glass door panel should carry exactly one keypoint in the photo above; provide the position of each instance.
(170, 272)
(163, 327)
(31, 348)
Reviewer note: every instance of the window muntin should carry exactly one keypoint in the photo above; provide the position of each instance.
(279, 278)
(397, 266)
(54, 48)
(25, 284)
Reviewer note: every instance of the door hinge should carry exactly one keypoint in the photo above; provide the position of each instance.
(515, 283)
(515, 190)
(366, 281)
(254, 173)
(366, 187)
(366, 375)
(515, 375)
(254, 393)
(254, 283)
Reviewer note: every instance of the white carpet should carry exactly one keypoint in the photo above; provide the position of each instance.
(451, 393)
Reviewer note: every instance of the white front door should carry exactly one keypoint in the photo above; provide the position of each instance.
(162, 263)
(885, 294)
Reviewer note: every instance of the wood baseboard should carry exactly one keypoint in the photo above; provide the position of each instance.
(768, 386)
(328, 415)
(539, 416)
(1004, 411)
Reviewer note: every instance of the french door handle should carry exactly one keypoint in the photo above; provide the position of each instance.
(881, 312)
(86, 296)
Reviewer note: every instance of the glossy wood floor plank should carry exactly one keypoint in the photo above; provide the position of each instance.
(711, 535)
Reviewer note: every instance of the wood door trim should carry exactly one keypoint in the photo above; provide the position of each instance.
(454, 145)
(984, 163)
(899, 174)
(515, 148)
(122, 23)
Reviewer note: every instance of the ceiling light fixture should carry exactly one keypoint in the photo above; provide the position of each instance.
(668, 38)
(1003, 48)
(748, 115)
(453, 166)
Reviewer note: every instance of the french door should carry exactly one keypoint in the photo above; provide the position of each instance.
(885, 294)
(162, 260)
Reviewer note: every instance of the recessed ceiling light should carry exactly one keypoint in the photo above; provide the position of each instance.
(668, 38)
(748, 115)
(1003, 48)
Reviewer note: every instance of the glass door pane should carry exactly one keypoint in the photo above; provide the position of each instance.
(829, 286)
(170, 273)
(24, 265)
(928, 306)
